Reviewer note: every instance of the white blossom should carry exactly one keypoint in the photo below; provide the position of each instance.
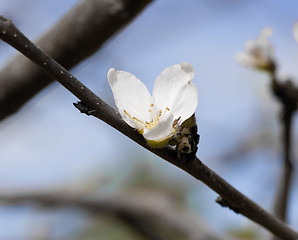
(258, 53)
(157, 117)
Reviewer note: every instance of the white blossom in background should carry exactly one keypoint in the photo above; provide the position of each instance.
(157, 117)
(258, 53)
(295, 31)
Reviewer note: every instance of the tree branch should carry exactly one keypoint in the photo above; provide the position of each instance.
(71, 40)
(287, 94)
(283, 191)
(98, 108)
(144, 211)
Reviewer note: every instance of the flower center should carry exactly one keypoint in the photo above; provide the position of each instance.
(151, 124)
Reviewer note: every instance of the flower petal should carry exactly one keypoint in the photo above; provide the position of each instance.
(131, 96)
(258, 53)
(162, 131)
(173, 89)
(244, 59)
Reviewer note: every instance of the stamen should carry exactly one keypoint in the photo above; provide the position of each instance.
(128, 114)
(139, 122)
(176, 122)
(161, 115)
(147, 124)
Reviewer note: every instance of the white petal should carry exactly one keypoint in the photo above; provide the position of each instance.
(251, 45)
(259, 52)
(264, 44)
(244, 59)
(131, 95)
(162, 130)
(173, 89)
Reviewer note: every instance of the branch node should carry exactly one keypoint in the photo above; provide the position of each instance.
(4, 19)
(222, 202)
(83, 108)
(186, 140)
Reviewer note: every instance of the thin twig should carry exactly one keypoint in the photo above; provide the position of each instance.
(77, 35)
(235, 200)
(287, 94)
(283, 191)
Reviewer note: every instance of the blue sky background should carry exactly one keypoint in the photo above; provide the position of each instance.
(48, 143)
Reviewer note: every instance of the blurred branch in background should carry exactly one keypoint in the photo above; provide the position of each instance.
(153, 214)
(287, 94)
(71, 40)
(259, 54)
(95, 106)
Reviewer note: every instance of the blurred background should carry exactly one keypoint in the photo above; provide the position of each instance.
(49, 145)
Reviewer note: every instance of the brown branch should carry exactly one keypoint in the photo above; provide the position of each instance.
(98, 108)
(145, 211)
(71, 40)
(283, 190)
(287, 94)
